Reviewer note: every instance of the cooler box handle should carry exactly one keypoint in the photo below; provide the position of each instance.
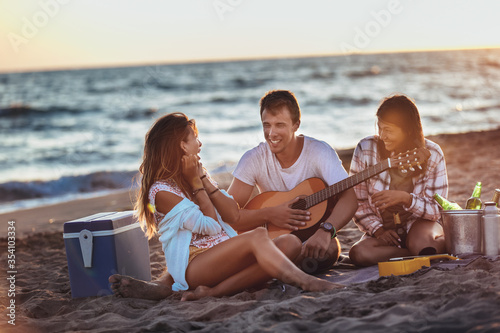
(86, 242)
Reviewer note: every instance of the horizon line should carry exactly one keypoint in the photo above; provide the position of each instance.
(236, 59)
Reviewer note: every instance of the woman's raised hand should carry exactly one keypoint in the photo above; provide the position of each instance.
(191, 168)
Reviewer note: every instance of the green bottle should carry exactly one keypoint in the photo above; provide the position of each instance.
(496, 197)
(474, 201)
(445, 204)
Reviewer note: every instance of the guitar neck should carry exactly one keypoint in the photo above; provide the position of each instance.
(347, 183)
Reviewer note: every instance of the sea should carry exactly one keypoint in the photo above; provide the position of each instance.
(78, 133)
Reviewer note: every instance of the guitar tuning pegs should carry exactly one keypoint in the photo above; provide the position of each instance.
(419, 166)
(410, 166)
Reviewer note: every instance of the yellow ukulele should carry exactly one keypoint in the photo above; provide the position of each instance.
(314, 193)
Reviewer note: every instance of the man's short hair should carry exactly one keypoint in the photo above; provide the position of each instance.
(274, 100)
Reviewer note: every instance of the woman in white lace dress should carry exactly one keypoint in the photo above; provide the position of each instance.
(181, 203)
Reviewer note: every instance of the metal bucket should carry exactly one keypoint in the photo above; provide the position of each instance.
(462, 231)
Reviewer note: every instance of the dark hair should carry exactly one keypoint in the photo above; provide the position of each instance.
(402, 112)
(274, 100)
(162, 160)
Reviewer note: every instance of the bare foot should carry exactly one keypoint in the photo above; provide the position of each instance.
(317, 284)
(199, 292)
(126, 286)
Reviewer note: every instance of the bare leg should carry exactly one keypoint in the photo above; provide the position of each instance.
(244, 261)
(370, 251)
(250, 277)
(247, 278)
(426, 234)
(126, 286)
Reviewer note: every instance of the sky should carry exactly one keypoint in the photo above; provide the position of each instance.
(61, 34)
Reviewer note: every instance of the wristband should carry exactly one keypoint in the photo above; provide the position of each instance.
(195, 192)
(213, 192)
(334, 234)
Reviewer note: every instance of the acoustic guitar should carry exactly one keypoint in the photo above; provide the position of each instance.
(314, 193)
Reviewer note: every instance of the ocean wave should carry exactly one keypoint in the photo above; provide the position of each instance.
(94, 182)
(248, 83)
(161, 85)
(480, 107)
(23, 110)
(240, 129)
(165, 85)
(81, 184)
(322, 75)
(487, 107)
(104, 89)
(491, 62)
(81, 121)
(224, 99)
(374, 70)
(209, 99)
(344, 100)
(140, 113)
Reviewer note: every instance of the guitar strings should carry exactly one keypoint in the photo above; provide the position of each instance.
(349, 182)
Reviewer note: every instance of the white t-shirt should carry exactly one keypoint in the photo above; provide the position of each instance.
(259, 166)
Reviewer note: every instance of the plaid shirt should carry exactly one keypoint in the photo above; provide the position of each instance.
(433, 180)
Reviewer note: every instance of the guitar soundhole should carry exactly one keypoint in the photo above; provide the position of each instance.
(301, 204)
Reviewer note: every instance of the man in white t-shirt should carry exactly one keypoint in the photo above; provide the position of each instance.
(281, 163)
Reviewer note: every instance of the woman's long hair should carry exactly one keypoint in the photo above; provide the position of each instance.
(402, 112)
(161, 161)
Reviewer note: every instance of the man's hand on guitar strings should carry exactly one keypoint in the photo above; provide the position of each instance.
(285, 217)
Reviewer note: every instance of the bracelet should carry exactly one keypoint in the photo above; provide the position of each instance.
(204, 176)
(213, 192)
(195, 192)
(334, 234)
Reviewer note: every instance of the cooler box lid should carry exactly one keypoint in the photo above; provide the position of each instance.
(106, 221)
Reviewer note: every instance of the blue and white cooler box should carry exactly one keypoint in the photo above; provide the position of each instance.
(101, 245)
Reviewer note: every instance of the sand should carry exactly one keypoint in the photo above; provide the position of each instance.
(460, 298)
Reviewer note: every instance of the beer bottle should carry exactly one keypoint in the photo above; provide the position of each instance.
(474, 201)
(496, 197)
(400, 229)
(445, 204)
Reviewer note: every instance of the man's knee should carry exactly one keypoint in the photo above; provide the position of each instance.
(289, 244)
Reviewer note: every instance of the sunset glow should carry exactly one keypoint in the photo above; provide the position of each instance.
(51, 34)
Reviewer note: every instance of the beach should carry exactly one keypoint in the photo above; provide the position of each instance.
(463, 298)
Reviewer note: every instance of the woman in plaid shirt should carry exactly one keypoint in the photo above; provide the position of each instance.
(396, 211)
